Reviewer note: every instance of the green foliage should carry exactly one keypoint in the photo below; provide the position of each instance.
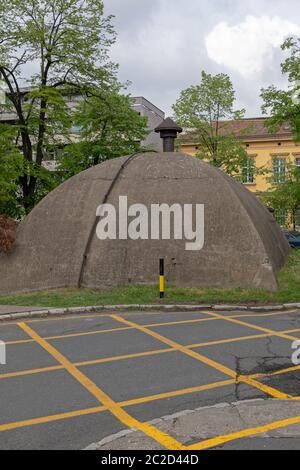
(289, 291)
(203, 108)
(11, 163)
(66, 42)
(286, 195)
(108, 128)
(284, 106)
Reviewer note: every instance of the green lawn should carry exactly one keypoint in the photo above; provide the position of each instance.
(289, 291)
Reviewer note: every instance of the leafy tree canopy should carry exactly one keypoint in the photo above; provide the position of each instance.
(57, 48)
(286, 195)
(204, 109)
(107, 128)
(283, 106)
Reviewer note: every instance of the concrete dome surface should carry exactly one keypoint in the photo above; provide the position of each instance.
(57, 244)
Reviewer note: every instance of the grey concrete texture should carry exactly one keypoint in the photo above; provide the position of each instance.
(7, 312)
(192, 426)
(244, 247)
(9, 309)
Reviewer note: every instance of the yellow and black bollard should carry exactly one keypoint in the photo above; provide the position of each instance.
(161, 278)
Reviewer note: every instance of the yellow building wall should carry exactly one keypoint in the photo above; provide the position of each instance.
(263, 152)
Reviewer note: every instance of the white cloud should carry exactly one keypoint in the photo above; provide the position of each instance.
(248, 47)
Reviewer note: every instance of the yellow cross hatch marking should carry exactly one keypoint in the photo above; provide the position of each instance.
(141, 354)
(104, 399)
(218, 316)
(127, 403)
(87, 316)
(114, 407)
(216, 441)
(210, 362)
(111, 330)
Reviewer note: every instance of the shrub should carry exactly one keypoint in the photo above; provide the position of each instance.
(7, 233)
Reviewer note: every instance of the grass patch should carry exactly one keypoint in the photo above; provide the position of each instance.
(289, 291)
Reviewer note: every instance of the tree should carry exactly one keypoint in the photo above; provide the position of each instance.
(286, 195)
(66, 42)
(283, 106)
(108, 128)
(10, 170)
(204, 109)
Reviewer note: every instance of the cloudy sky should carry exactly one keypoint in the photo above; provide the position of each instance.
(163, 45)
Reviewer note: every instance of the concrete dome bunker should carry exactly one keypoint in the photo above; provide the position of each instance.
(57, 245)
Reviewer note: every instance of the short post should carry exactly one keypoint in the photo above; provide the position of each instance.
(161, 278)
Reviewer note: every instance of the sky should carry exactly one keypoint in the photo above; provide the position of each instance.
(163, 45)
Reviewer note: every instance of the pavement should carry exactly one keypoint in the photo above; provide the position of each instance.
(209, 427)
(182, 380)
(9, 309)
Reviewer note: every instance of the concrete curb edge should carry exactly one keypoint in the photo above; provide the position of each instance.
(157, 421)
(141, 307)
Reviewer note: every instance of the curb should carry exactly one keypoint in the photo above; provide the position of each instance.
(166, 424)
(141, 307)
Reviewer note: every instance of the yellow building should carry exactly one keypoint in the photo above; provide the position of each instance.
(271, 152)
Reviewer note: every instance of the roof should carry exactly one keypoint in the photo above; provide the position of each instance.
(168, 125)
(245, 129)
(142, 101)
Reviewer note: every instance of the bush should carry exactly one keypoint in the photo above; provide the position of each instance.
(7, 233)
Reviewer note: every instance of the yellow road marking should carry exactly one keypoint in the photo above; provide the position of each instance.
(150, 325)
(85, 363)
(101, 396)
(277, 372)
(216, 365)
(88, 315)
(206, 444)
(178, 393)
(250, 325)
(127, 403)
(98, 409)
(158, 396)
(216, 441)
(271, 314)
(131, 402)
(48, 419)
(71, 335)
(110, 330)
(21, 373)
(147, 353)
(19, 341)
(178, 346)
(225, 341)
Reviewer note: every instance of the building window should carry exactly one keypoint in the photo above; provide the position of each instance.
(279, 170)
(281, 217)
(297, 161)
(248, 171)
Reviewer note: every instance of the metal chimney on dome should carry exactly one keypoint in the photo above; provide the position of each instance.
(168, 130)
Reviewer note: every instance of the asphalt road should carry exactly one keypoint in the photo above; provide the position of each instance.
(74, 380)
